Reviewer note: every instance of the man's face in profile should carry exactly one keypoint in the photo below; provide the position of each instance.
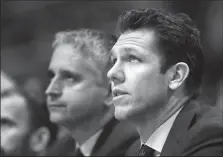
(138, 86)
(75, 93)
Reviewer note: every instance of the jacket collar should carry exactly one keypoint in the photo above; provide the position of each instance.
(179, 130)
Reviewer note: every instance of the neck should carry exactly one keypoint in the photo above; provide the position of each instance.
(148, 125)
(88, 128)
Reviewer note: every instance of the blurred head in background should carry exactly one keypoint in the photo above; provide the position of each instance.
(25, 125)
(79, 89)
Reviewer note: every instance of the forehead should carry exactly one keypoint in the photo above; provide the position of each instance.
(139, 39)
(65, 58)
(14, 108)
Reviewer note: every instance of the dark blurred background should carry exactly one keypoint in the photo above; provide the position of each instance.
(28, 28)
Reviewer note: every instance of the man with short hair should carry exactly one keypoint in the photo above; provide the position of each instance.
(79, 93)
(156, 75)
(25, 125)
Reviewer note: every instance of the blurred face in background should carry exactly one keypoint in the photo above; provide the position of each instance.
(76, 92)
(14, 125)
(14, 119)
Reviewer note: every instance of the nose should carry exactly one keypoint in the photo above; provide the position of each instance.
(54, 88)
(116, 74)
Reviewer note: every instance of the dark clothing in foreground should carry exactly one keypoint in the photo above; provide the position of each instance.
(115, 140)
(197, 131)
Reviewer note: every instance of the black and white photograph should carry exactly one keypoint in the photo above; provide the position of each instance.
(111, 78)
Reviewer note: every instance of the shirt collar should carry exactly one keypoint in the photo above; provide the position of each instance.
(158, 138)
(87, 147)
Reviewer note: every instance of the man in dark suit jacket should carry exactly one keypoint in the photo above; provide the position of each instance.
(196, 131)
(115, 140)
(157, 72)
(78, 95)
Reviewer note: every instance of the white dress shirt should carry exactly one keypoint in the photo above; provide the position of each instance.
(158, 138)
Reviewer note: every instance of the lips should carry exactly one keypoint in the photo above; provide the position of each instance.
(118, 92)
(56, 105)
(53, 105)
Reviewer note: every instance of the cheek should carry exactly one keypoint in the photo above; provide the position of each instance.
(147, 86)
(76, 97)
(12, 138)
(139, 85)
(83, 99)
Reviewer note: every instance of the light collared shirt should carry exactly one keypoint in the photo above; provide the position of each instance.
(158, 138)
(87, 147)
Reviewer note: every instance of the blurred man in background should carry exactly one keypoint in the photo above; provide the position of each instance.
(78, 95)
(157, 73)
(25, 125)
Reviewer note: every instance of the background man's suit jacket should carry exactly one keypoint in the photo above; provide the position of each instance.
(197, 130)
(115, 140)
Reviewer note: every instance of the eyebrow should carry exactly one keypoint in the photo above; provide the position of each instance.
(74, 74)
(68, 72)
(51, 72)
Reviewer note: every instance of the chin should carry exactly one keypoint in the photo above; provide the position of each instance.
(57, 118)
(122, 113)
(120, 116)
(128, 113)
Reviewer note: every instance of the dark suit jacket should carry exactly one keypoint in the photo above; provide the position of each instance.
(114, 140)
(2, 152)
(197, 131)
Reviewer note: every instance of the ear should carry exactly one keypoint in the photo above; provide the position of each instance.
(177, 74)
(40, 139)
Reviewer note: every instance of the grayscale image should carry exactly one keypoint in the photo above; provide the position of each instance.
(111, 78)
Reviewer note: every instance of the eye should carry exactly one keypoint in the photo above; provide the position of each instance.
(133, 59)
(50, 74)
(113, 60)
(70, 78)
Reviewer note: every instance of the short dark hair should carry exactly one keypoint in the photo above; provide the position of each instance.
(39, 115)
(177, 38)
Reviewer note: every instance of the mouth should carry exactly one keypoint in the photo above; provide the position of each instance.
(118, 92)
(55, 106)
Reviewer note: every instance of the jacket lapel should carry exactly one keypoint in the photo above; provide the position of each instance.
(179, 130)
(101, 142)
